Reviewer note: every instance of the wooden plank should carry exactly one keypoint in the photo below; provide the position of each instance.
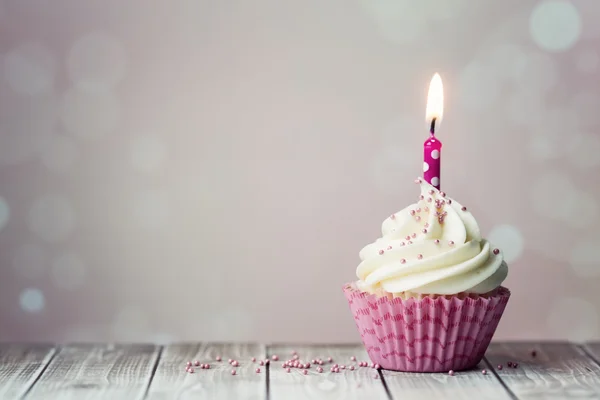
(347, 384)
(20, 366)
(462, 385)
(97, 372)
(172, 382)
(557, 371)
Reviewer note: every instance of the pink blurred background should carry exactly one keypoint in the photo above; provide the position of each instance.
(195, 170)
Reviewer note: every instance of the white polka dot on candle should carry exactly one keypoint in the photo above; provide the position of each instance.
(435, 154)
(435, 181)
(425, 167)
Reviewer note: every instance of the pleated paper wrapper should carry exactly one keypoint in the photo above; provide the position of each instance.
(426, 334)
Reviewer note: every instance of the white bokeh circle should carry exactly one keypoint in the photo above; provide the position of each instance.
(90, 114)
(52, 218)
(587, 61)
(584, 258)
(537, 72)
(29, 261)
(97, 61)
(509, 239)
(59, 153)
(478, 86)
(574, 319)
(68, 271)
(555, 25)
(4, 213)
(506, 60)
(32, 300)
(148, 153)
(151, 209)
(29, 69)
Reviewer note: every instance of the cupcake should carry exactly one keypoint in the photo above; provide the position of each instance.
(428, 296)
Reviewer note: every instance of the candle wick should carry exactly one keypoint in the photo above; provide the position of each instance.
(432, 128)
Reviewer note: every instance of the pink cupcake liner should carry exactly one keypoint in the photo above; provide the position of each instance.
(427, 334)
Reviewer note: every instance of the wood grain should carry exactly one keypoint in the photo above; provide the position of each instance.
(97, 372)
(558, 370)
(463, 385)
(172, 382)
(20, 366)
(357, 384)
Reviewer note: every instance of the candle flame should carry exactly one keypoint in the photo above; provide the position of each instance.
(435, 100)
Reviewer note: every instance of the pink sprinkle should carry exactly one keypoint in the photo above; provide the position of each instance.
(335, 365)
(296, 356)
(284, 365)
(321, 362)
(407, 237)
(229, 361)
(426, 209)
(275, 357)
(294, 352)
(233, 372)
(253, 359)
(200, 365)
(376, 376)
(319, 369)
(418, 218)
(451, 373)
(393, 216)
(377, 366)
(352, 368)
(337, 370)
(442, 194)
(381, 252)
(412, 212)
(484, 372)
(420, 256)
(414, 235)
(218, 358)
(257, 370)
(332, 369)
(329, 359)
(451, 243)
(496, 251)
(196, 363)
(402, 260)
(287, 370)
(342, 367)
(449, 201)
(419, 208)
(191, 370)
(389, 247)
(463, 208)
(206, 366)
(424, 231)
(436, 241)
(189, 363)
(515, 365)
(353, 358)
(499, 366)
(372, 365)
(261, 362)
(305, 372)
(510, 364)
(266, 361)
(313, 361)
(235, 363)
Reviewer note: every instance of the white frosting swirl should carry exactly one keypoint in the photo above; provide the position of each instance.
(431, 247)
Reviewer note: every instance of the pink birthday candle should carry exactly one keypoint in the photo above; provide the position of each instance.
(432, 148)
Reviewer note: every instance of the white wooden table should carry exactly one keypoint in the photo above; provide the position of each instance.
(146, 371)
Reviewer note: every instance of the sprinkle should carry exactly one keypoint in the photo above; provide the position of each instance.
(407, 237)
(451, 243)
(233, 372)
(191, 370)
(342, 367)
(402, 261)
(451, 373)
(337, 370)
(414, 235)
(296, 356)
(412, 212)
(266, 361)
(294, 352)
(218, 358)
(206, 366)
(420, 256)
(463, 208)
(188, 364)
(533, 353)
(449, 201)
(253, 359)
(335, 365)
(261, 362)
(313, 361)
(381, 252)
(429, 199)
(229, 361)
(409, 242)
(307, 365)
(515, 365)
(305, 372)
(329, 359)
(375, 376)
(426, 209)
(418, 218)
(332, 369)
(352, 358)
(389, 248)
(377, 366)
(510, 364)
(372, 365)
(431, 191)
(499, 366)
(484, 372)
(417, 180)
(321, 362)
(402, 244)
(200, 365)
(496, 251)
(393, 216)
(235, 363)
(443, 194)
(418, 209)
(319, 369)
(287, 370)
(426, 225)
(275, 357)
(436, 241)
(284, 365)
(421, 197)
